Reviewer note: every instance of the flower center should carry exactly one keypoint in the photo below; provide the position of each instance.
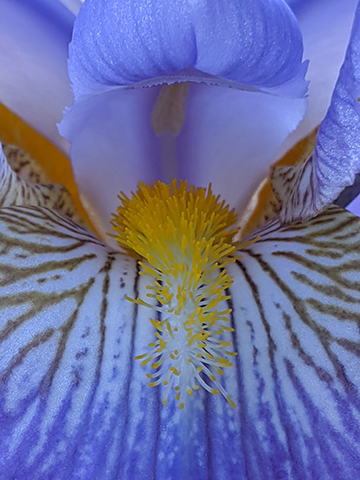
(183, 237)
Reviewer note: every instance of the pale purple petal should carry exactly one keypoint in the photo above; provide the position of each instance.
(72, 5)
(112, 148)
(121, 43)
(34, 37)
(230, 138)
(125, 43)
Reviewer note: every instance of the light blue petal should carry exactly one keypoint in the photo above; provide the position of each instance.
(257, 42)
(113, 146)
(112, 136)
(74, 404)
(354, 206)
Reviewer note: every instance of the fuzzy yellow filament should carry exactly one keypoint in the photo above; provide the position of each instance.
(182, 237)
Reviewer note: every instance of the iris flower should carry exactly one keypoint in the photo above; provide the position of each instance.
(277, 392)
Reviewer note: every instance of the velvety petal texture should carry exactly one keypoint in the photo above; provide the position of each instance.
(257, 42)
(34, 37)
(306, 189)
(75, 404)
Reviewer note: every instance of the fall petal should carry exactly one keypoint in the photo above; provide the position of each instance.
(34, 84)
(295, 305)
(74, 403)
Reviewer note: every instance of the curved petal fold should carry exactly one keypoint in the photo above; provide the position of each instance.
(230, 138)
(74, 403)
(306, 189)
(72, 5)
(113, 147)
(34, 37)
(122, 43)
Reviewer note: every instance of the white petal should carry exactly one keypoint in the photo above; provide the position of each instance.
(34, 37)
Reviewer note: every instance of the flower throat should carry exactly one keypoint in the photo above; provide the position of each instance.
(182, 238)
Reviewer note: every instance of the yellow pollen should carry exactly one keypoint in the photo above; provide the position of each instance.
(182, 238)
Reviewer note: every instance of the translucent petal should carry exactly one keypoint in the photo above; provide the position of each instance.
(34, 37)
(230, 138)
(121, 43)
(306, 189)
(325, 26)
(113, 147)
(74, 404)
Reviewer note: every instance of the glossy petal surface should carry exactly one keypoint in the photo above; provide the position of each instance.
(34, 37)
